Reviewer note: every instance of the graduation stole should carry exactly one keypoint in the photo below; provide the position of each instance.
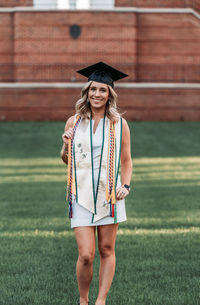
(109, 161)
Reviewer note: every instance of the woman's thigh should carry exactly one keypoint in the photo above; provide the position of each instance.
(106, 238)
(85, 238)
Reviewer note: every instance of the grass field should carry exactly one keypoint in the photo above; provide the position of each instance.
(158, 248)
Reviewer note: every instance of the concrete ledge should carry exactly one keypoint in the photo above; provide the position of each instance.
(115, 10)
(80, 85)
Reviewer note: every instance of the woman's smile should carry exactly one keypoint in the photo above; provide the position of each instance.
(98, 94)
(97, 100)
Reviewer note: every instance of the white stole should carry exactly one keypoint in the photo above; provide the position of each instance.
(83, 168)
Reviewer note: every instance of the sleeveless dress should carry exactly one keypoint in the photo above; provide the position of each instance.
(82, 216)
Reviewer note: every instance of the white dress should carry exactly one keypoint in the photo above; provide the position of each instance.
(82, 216)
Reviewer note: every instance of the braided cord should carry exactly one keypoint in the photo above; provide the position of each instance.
(71, 166)
(110, 185)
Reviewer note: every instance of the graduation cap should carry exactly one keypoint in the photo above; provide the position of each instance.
(102, 73)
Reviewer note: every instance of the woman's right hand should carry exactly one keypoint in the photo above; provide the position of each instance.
(68, 134)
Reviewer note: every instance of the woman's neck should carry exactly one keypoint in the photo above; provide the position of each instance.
(97, 114)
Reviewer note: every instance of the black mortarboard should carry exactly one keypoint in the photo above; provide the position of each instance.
(102, 73)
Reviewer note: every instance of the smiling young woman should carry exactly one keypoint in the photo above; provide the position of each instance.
(96, 140)
(98, 96)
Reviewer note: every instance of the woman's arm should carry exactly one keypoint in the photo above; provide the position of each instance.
(68, 133)
(126, 161)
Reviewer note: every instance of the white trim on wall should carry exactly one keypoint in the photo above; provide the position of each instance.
(121, 85)
(116, 10)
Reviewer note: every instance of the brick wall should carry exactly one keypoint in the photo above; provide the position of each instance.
(53, 104)
(37, 47)
(197, 5)
(6, 47)
(148, 47)
(45, 51)
(168, 48)
(160, 104)
(157, 3)
(12, 3)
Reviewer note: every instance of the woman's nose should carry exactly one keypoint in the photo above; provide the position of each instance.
(97, 93)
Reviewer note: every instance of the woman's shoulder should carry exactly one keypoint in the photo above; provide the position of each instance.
(125, 126)
(70, 122)
(123, 121)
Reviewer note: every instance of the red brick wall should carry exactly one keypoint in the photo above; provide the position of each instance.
(148, 47)
(160, 104)
(156, 3)
(168, 48)
(197, 5)
(37, 47)
(6, 47)
(138, 104)
(45, 50)
(12, 3)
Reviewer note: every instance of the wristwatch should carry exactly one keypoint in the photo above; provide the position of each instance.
(127, 187)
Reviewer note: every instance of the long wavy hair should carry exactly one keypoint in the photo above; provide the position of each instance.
(83, 105)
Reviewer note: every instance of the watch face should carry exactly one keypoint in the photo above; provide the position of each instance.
(127, 186)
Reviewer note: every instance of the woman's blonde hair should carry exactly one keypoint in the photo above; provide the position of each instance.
(83, 106)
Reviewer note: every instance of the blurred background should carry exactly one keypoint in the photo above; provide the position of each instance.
(44, 42)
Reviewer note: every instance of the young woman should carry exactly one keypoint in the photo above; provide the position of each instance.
(96, 140)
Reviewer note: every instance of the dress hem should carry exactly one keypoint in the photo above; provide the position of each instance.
(97, 225)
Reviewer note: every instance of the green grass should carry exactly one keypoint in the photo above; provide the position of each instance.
(157, 249)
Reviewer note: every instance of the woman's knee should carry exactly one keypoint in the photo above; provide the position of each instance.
(86, 258)
(106, 250)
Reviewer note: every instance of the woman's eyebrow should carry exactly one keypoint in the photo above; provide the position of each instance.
(93, 87)
(102, 88)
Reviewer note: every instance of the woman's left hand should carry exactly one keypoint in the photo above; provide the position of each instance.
(121, 192)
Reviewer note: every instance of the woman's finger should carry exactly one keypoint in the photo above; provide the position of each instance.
(118, 191)
(121, 193)
(67, 134)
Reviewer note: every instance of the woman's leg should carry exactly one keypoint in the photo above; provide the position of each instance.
(106, 244)
(85, 237)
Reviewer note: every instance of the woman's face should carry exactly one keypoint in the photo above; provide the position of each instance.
(98, 95)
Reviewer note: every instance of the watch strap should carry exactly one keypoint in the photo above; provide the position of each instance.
(127, 187)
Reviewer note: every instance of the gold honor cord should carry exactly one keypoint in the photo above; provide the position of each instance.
(71, 179)
(110, 185)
